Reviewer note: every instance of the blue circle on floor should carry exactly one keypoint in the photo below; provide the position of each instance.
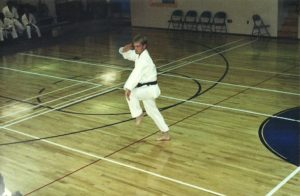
(281, 135)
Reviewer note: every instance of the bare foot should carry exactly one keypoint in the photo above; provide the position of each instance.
(139, 119)
(164, 137)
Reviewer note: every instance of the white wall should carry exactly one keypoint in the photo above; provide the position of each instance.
(240, 11)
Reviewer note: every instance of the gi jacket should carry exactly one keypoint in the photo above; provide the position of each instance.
(144, 69)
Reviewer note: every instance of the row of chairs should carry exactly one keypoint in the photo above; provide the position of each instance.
(206, 21)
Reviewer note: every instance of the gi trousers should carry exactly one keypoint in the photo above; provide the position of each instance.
(147, 94)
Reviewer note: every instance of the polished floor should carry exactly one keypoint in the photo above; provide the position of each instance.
(65, 127)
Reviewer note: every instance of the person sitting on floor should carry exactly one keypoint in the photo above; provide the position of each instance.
(29, 23)
(4, 191)
(7, 27)
(11, 13)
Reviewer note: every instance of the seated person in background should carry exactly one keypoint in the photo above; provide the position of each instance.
(7, 27)
(29, 23)
(1, 27)
(4, 191)
(10, 13)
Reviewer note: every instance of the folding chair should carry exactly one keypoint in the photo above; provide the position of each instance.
(190, 20)
(259, 28)
(176, 19)
(219, 22)
(205, 22)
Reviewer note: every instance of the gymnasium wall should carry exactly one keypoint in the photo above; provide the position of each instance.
(239, 11)
(49, 3)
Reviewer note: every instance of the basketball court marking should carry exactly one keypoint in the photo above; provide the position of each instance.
(165, 74)
(49, 76)
(247, 69)
(102, 65)
(284, 181)
(59, 89)
(167, 177)
(175, 67)
(75, 61)
(236, 85)
(212, 49)
(230, 108)
(118, 67)
(117, 163)
(41, 104)
(240, 110)
(76, 100)
(217, 53)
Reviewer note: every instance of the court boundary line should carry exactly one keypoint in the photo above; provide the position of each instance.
(284, 181)
(247, 69)
(230, 108)
(117, 163)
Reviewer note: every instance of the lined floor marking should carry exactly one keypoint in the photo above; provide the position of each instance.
(102, 65)
(175, 67)
(76, 100)
(247, 69)
(229, 108)
(236, 85)
(217, 53)
(118, 163)
(284, 181)
(49, 76)
(59, 89)
(212, 49)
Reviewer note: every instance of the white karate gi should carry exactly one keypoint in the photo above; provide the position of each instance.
(6, 193)
(13, 16)
(1, 31)
(7, 27)
(30, 22)
(144, 71)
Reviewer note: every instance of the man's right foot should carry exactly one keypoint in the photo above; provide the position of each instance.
(139, 119)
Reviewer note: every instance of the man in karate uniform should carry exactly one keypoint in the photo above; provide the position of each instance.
(142, 85)
(6, 26)
(29, 23)
(10, 13)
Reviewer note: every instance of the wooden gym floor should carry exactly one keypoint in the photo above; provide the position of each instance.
(66, 130)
